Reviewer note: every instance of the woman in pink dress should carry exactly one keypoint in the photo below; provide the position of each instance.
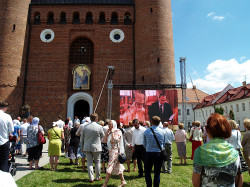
(114, 140)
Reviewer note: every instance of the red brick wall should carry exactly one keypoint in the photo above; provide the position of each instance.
(12, 53)
(154, 48)
(49, 80)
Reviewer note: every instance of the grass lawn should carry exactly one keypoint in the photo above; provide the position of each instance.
(71, 175)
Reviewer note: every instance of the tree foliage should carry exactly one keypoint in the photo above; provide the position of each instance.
(219, 110)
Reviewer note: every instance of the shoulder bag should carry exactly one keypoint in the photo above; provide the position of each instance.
(56, 133)
(121, 156)
(163, 151)
(41, 138)
(191, 137)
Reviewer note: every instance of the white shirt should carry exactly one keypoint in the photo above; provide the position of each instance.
(60, 124)
(24, 129)
(235, 139)
(6, 127)
(105, 129)
(7, 180)
(70, 124)
(79, 131)
(138, 136)
(197, 133)
(169, 135)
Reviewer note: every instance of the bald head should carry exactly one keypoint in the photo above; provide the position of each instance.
(165, 124)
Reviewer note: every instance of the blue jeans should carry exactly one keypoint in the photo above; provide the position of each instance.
(152, 159)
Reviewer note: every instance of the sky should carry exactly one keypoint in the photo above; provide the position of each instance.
(214, 36)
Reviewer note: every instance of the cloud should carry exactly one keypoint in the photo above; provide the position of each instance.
(220, 73)
(219, 18)
(215, 17)
(210, 14)
(242, 58)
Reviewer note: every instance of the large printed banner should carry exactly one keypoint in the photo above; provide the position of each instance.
(144, 104)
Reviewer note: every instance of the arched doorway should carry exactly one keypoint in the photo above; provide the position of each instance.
(73, 100)
(81, 109)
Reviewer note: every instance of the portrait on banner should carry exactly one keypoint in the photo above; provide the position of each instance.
(144, 104)
(81, 77)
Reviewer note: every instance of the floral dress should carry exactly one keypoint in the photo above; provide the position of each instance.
(114, 167)
(67, 137)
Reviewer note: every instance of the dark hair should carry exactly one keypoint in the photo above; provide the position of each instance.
(4, 104)
(218, 126)
(162, 94)
(66, 121)
(156, 120)
(141, 123)
(93, 117)
(135, 121)
(60, 117)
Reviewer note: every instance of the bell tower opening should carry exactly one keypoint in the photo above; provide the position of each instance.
(81, 109)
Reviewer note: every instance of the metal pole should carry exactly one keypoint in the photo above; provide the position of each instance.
(183, 88)
(110, 87)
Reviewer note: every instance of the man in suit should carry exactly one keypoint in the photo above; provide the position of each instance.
(91, 137)
(161, 109)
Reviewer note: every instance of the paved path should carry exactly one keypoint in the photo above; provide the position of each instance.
(22, 162)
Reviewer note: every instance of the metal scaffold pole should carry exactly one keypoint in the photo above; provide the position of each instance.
(183, 88)
(110, 88)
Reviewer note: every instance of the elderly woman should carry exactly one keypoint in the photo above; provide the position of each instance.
(80, 154)
(196, 132)
(216, 163)
(55, 136)
(74, 144)
(105, 151)
(180, 139)
(33, 147)
(246, 142)
(114, 140)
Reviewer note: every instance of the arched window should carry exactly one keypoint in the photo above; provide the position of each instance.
(89, 18)
(37, 20)
(237, 108)
(243, 107)
(127, 18)
(114, 18)
(102, 18)
(76, 18)
(63, 18)
(50, 18)
(82, 51)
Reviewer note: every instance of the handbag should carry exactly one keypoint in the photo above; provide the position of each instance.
(164, 154)
(191, 138)
(41, 138)
(121, 156)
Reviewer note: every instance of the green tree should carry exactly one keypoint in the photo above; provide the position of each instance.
(219, 110)
(231, 114)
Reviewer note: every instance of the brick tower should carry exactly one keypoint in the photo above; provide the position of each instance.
(154, 48)
(13, 23)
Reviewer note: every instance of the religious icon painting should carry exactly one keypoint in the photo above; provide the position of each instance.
(81, 77)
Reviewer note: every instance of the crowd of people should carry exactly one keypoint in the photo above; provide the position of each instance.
(216, 148)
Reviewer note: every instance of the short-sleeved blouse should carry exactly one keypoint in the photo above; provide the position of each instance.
(32, 135)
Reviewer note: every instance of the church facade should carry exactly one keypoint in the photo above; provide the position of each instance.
(54, 54)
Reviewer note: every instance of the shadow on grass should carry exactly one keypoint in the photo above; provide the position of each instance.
(174, 164)
(66, 170)
(245, 184)
(78, 185)
(69, 180)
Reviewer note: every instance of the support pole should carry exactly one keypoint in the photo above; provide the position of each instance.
(110, 88)
(183, 89)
